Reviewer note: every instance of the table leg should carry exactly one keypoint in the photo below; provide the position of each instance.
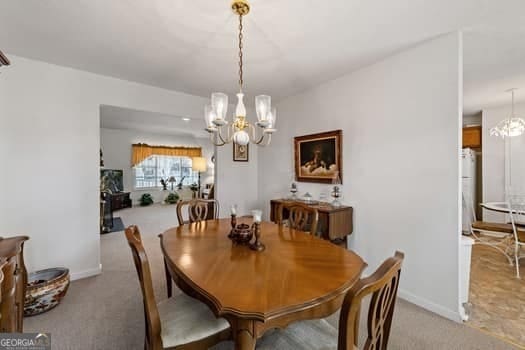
(244, 334)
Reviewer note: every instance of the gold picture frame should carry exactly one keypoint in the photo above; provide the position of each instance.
(318, 157)
(241, 153)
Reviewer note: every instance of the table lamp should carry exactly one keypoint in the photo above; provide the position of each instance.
(199, 164)
(172, 180)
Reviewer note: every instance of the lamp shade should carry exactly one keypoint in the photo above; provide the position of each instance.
(198, 164)
(209, 117)
(219, 103)
(263, 105)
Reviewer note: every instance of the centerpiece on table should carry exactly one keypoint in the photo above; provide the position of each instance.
(243, 233)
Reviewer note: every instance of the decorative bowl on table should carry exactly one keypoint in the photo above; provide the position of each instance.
(45, 289)
(242, 234)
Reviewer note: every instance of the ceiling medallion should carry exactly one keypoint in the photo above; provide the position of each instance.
(511, 126)
(240, 130)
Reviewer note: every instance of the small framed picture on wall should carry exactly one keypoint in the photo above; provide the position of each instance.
(240, 153)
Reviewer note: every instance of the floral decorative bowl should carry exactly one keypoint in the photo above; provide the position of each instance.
(242, 234)
(45, 289)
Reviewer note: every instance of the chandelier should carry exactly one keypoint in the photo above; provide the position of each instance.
(511, 126)
(240, 131)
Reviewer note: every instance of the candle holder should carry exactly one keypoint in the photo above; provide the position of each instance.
(336, 194)
(336, 191)
(293, 191)
(257, 245)
(233, 224)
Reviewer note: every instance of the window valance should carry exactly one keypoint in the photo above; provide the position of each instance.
(141, 151)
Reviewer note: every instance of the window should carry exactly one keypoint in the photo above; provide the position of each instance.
(151, 170)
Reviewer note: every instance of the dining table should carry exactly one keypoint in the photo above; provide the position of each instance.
(502, 207)
(296, 277)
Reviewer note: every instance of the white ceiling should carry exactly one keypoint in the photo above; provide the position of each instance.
(494, 62)
(112, 117)
(290, 45)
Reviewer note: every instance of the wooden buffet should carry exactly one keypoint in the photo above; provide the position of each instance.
(335, 223)
(13, 284)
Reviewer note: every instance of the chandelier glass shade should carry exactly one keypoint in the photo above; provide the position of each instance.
(511, 126)
(240, 130)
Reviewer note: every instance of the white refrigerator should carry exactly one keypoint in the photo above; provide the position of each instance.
(468, 179)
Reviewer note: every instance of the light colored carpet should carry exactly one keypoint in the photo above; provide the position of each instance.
(105, 312)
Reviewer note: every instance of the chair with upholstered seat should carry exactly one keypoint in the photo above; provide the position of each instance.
(180, 322)
(300, 216)
(196, 210)
(382, 286)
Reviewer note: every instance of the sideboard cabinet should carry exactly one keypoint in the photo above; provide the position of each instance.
(120, 200)
(335, 223)
(14, 284)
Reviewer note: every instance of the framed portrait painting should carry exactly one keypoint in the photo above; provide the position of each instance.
(240, 153)
(318, 157)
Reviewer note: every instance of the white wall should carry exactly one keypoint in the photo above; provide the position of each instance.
(50, 140)
(471, 120)
(116, 145)
(401, 139)
(400, 120)
(495, 152)
(238, 180)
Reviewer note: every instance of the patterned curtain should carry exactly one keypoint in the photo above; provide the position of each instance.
(141, 151)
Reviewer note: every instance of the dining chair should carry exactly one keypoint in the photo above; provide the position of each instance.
(300, 216)
(517, 213)
(504, 237)
(179, 322)
(197, 210)
(382, 286)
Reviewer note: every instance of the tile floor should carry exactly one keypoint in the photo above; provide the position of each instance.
(497, 296)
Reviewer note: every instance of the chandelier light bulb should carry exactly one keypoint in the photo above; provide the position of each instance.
(209, 117)
(219, 103)
(241, 138)
(271, 120)
(263, 105)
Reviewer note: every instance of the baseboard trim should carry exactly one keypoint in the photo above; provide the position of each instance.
(430, 306)
(86, 273)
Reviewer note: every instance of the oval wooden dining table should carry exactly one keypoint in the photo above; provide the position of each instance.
(297, 277)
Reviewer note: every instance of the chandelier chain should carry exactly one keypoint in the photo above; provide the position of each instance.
(241, 80)
(239, 131)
